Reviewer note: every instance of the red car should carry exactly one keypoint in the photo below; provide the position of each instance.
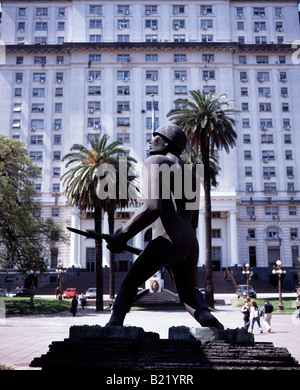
(70, 293)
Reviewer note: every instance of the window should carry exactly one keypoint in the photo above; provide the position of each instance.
(245, 122)
(56, 172)
(262, 59)
(22, 12)
(284, 92)
(94, 90)
(240, 26)
(36, 156)
(123, 9)
(260, 40)
(243, 77)
(283, 77)
(123, 58)
(208, 57)
(177, 24)
(21, 26)
(18, 92)
(41, 12)
(94, 122)
(55, 212)
(288, 155)
(264, 91)
(123, 106)
(242, 60)
(216, 233)
(57, 124)
(290, 187)
(207, 38)
(95, 38)
(123, 122)
(96, 9)
(95, 75)
(268, 171)
(179, 57)
(246, 139)
(37, 107)
(58, 107)
(178, 9)
(272, 233)
(41, 26)
(263, 76)
(270, 187)
(205, 24)
(41, 77)
(179, 38)
(278, 12)
(56, 188)
(123, 75)
(286, 124)
(292, 210)
(38, 92)
(151, 58)
(180, 90)
(94, 106)
(94, 58)
(287, 139)
(250, 212)
(258, 11)
(121, 90)
(36, 140)
(258, 26)
(151, 38)
(206, 9)
(271, 211)
(19, 60)
(208, 74)
(266, 124)
(247, 155)
(268, 155)
(150, 9)
(265, 107)
(56, 156)
(251, 233)
(61, 26)
(61, 12)
(267, 139)
(245, 106)
(123, 137)
(16, 123)
(244, 91)
(149, 105)
(240, 12)
(58, 92)
(209, 89)
(151, 90)
(122, 23)
(57, 140)
(248, 171)
(249, 187)
(285, 107)
(17, 107)
(180, 75)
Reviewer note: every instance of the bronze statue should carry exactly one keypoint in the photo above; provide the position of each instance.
(174, 244)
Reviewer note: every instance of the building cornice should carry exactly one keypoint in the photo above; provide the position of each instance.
(150, 46)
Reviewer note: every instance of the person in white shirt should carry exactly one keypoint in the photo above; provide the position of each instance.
(255, 316)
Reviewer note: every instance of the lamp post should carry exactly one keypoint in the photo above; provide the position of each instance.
(247, 270)
(31, 273)
(61, 269)
(277, 269)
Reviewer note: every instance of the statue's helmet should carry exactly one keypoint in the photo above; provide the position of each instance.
(175, 134)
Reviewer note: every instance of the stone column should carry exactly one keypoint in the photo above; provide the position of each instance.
(233, 238)
(74, 250)
(105, 251)
(201, 238)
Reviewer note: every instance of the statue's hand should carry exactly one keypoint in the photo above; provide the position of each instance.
(116, 243)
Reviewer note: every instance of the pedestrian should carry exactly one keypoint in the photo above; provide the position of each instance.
(74, 305)
(255, 316)
(82, 300)
(268, 309)
(298, 308)
(246, 314)
(57, 292)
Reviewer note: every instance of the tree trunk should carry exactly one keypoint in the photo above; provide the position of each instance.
(111, 226)
(99, 269)
(209, 285)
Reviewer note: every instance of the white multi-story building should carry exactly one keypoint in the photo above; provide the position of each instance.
(82, 68)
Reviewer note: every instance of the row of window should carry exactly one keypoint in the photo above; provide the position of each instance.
(266, 123)
(270, 211)
(268, 155)
(269, 172)
(264, 76)
(153, 9)
(272, 233)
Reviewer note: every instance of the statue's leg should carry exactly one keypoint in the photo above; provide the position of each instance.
(184, 274)
(152, 259)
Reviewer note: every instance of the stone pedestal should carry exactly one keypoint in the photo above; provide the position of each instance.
(131, 348)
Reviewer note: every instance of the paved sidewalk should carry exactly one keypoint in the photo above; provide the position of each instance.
(25, 337)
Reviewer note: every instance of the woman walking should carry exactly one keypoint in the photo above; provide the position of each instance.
(255, 316)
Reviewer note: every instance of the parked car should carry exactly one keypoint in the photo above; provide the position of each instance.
(241, 291)
(20, 292)
(70, 293)
(3, 293)
(91, 293)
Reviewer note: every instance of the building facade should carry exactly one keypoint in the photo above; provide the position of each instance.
(74, 69)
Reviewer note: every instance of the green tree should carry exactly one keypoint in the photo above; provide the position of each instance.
(26, 239)
(85, 189)
(208, 122)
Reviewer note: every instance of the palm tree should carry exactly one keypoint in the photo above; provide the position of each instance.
(82, 185)
(208, 122)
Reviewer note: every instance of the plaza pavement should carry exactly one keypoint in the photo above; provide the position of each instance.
(25, 337)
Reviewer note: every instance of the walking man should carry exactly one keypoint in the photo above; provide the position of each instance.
(268, 309)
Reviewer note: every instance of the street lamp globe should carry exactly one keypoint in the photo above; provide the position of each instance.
(278, 262)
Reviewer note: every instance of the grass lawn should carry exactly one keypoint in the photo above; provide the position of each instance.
(288, 303)
(41, 306)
